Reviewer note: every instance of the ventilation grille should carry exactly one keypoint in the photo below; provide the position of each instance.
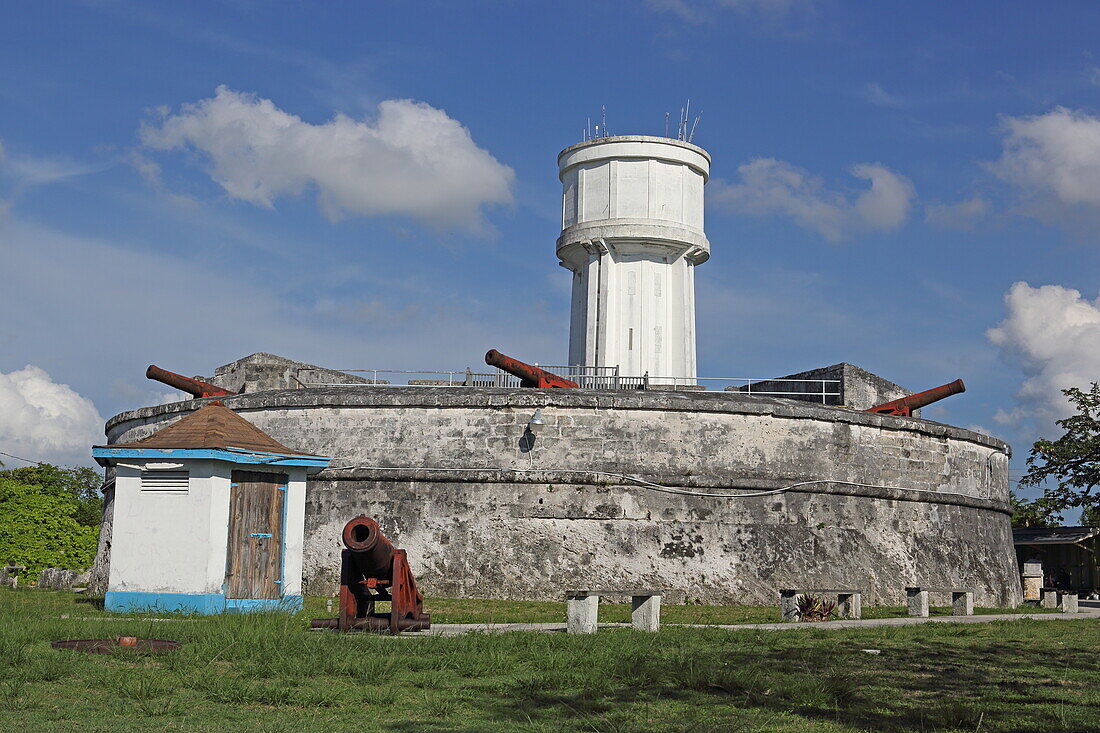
(164, 482)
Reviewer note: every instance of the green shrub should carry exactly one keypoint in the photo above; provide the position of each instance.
(49, 517)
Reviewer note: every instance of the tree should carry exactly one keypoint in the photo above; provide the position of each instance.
(1091, 516)
(49, 517)
(1073, 460)
(1035, 513)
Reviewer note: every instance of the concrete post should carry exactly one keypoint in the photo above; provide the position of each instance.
(1049, 599)
(962, 603)
(917, 600)
(1032, 579)
(1069, 603)
(645, 613)
(581, 613)
(787, 605)
(850, 605)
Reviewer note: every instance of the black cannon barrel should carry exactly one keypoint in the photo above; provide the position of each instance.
(372, 550)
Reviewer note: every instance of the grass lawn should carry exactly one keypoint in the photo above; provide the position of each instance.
(454, 611)
(267, 673)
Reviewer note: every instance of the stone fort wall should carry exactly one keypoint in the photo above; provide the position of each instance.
(485, 512)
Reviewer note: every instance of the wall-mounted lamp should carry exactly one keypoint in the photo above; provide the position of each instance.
(534, 425)
(536, 421)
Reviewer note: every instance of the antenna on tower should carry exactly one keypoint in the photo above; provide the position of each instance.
(666, 124)
(603, 119)
(695, 124)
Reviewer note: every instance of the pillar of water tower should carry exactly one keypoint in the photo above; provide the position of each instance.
(632, 235)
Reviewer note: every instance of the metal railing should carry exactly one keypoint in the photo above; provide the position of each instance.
(806, 389)
(604, 378)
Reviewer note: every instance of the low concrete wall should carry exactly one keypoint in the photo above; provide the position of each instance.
(483, 512)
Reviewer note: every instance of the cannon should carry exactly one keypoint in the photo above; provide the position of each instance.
(904, 406)
(195, 387)
(371, 570)
(531, 376)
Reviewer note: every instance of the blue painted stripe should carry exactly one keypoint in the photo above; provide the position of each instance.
(130, 601)
(234, 456)
(288, 604)
(282, 541)
(202, 603)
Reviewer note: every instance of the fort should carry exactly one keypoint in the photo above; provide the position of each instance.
(886, 501)
(637, 477)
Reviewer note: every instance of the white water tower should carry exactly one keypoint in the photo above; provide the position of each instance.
(632, 234)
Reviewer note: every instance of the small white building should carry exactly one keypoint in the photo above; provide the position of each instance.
(209, 516)
(632, 235)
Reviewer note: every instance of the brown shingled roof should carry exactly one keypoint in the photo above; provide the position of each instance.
(212, 426)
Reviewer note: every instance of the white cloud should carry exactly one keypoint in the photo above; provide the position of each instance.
(21, 172)
(769, 186)
(1053, 160)
(876, 95)
(30, 171)
(960, 215)
(45, 421)
(1054, 335)
(412, 160)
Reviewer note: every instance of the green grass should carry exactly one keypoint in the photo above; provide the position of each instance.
(267, 673)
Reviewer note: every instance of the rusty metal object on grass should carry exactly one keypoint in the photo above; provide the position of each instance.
(904, 406)
(110, 646)
(532, 376)
(371, 570)
(195, 387)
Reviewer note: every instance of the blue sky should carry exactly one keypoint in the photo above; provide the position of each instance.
(884, 173)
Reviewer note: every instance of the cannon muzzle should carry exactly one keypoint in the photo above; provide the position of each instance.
(194, 387)
(372, 551)
(904, 406)
(531, 376)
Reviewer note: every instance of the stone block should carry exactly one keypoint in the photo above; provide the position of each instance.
(850, 605)
(581, 613)
(1048, 599)
(645, 613)
(962, 603)
(917, 602)
(1068, 603)
(788, 605)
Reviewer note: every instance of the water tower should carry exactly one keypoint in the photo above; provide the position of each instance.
(632, 234)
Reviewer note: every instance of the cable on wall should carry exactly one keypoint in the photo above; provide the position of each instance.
(660, 487)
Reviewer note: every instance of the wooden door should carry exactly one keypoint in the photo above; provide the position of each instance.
(254, 563)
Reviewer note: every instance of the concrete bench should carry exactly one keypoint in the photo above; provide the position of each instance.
(849, 601)
(1055, 598)
(962, 600)
(582, 609)
(9, 575)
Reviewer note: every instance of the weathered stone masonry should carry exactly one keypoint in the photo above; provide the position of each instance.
(445, 471)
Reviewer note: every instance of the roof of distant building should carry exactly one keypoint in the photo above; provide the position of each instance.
(1053, 535)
